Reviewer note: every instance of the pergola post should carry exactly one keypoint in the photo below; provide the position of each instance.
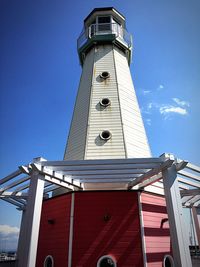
(27, 247)
(179, 240)
(196, 218)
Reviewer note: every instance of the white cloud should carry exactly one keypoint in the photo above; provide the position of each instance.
(160, 87)
(172, 109)
(145, 92)
(7, 230)
(181, 102)
(9, 237)
(150, 105)
(148, 122)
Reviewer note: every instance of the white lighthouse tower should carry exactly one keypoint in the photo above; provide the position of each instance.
(107, 122)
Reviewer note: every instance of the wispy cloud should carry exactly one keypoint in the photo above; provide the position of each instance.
(172, 109)
(148, 121)
(146, 92)
(7, 230)
(160, 87)
(181, 103)
(8, 237)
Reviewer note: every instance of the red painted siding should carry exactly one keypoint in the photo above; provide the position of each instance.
(53, 238)
(94, 237)
(156, 229)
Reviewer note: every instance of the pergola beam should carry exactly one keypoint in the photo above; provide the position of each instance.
(149, 174)
(188, 182)
(15, 183)
(189, 175)
(61, 179)
(9, 177)
(14, 194)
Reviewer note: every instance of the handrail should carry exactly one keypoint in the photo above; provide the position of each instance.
(104, 29)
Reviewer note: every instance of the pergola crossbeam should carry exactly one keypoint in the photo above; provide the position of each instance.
(14, 194)
(189, 175)
(14, 202)
(9, 177)
(149, 174)
(15, 183)
(61, 179)
(188, 182)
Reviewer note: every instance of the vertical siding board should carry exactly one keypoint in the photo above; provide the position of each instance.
(156, 229)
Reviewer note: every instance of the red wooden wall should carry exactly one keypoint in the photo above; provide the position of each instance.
(104, 223)
(119, 236)
(53, 238)
(156, 229)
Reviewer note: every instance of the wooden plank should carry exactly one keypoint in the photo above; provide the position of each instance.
(189, 175)
(188, 182)
(15, 183)
(193, 167)
(102, 162)
(10, 176)
(151, 173)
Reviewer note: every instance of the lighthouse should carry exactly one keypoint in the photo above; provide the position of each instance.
(104, 224)
(109, 203)
(107, 122)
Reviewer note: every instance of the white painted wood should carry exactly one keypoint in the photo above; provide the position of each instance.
(30, 223)
(71, 231)
(10, 176)
(189, 175)
(104, 118)
(142, 229)
(196, 218)
(122, 118)
(179, 241)
(75, 148)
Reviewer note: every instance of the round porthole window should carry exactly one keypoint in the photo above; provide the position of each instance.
(106, 261)
(105, 102)
(168, 261)
(105, 135)
(105, 75)
(48, 262)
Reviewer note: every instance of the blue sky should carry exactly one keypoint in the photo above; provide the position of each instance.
(39, 77)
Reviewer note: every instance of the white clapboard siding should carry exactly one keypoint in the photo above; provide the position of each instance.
(123, 118)
(77, 136)
(104, 118)
(133, 127)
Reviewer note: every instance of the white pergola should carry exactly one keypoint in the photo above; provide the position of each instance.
(30, 184)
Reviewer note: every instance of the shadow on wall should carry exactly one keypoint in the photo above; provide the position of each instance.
(99, 141)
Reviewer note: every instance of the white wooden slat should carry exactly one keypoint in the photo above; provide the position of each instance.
(189, 175)
(151, 173)
(14, 194)
(193, 167)
(9, 177)
(189, 182)
(141, 161)
(13, 202)
(14, 183)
